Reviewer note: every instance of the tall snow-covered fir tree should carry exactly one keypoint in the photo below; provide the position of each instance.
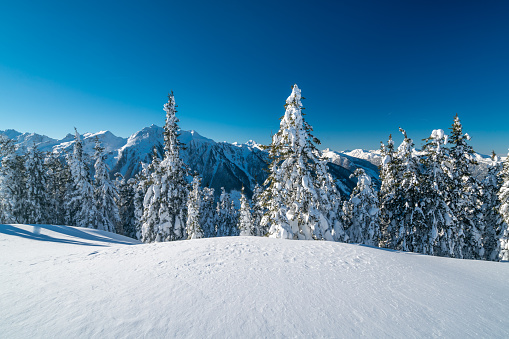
(490, 208)
(296, 207)
(126, 207)
(194, 230)
(464, 198)
(208, 212)
(439, 236)
(245, 222)
(226, 216)
(81, 206)
(401, 217)
(258, 212)
(12, 183)
(105, 194)
(140, 186)
(503, 209)
(167, 195)
(36, 204)
(150, 219)
(362, 212)
(58, 186)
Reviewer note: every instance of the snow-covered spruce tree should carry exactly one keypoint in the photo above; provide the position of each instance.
(58, 186)
(258, 211)
(168, 192)
(434, 183)
(81, 205)
(293, 200)
(464, 198)
(390, 203)
(402, 221)
(105, 194)
(490, 208)
(226, 217)
(12, 183)
(125, 203)
(36, 204)
(503, 209)
(362, 211)
(194, 230)
(139, 186)
(150, 219)
(208, 212)
(245, 223)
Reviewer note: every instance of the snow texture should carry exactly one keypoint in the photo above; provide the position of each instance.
(68, 282)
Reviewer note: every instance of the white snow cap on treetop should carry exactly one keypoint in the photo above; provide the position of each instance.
(438, 134)
(295, 96)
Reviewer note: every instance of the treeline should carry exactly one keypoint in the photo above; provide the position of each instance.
(429, 202)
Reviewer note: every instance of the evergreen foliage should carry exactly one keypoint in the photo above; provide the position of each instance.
(81, 206)
(35, 203)
(194, 230)
(503, 225)
(362, 212)
(105, 194)
(208, 213)
(245, 223)
(165, 204)
(296, 206)
(12, 184)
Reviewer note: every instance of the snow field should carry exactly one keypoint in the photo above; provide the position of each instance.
(73, 282)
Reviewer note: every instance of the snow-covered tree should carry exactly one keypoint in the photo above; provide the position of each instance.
(208, 212)
(36, 202)
(362, 212)
(464, 198)
(58, 187)
(490, 208)
(140, 186)
(245, 223)
(400, 196)
(226, 217)
(126, 208)
(503, 209)
(258, 211)
(12, 183)
(296, 207)
(81, 206)
(194, 230)
(168, 191)
(150, 220)
(439, 236)
(105, 194)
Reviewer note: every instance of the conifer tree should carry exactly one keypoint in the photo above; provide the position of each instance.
(295, 205)
(81, 204)
(503, 209)
(258, 212)
(139, 186)
(168, 191)
(208, 212)
(245, 223)
(434, 184)
(150, 220)
(390, 203)
(194, 230)
(126, 207)
(464, 200)
(105, 194)
(362, 212)
(490, 208)
(35, 204)
(58, 186)
(226, 218)
(12, 183)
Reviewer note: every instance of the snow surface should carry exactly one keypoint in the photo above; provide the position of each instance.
(69, 282)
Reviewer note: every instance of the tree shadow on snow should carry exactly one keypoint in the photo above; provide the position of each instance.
(69, 231)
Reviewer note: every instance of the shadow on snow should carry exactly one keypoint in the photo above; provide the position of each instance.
(66, 230)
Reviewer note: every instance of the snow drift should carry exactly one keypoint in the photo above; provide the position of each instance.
(69, 282)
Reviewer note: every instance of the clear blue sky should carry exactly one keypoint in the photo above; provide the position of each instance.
(365, 67)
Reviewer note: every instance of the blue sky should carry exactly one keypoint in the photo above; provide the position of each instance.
(365, 67)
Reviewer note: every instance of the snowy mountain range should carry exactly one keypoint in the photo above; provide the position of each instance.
(221, 164)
